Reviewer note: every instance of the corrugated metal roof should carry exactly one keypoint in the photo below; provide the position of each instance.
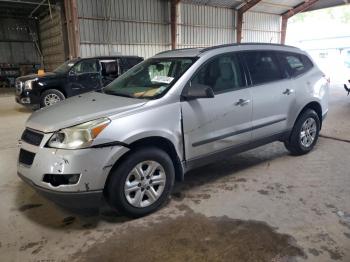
(218, 3)
(268, 6)
(327, 3)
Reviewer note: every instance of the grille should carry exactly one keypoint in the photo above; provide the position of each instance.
(19, 87)
(26, 157)
(32, 137)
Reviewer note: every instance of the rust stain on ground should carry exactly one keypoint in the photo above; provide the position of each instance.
(194, 237)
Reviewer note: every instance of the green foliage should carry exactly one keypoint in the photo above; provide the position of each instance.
(340, 14)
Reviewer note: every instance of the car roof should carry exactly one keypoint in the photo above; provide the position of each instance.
(110, 57)
(195, 52)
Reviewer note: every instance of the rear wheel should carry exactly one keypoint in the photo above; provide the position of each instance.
(50, 97)
(142, 182)
(304, 134)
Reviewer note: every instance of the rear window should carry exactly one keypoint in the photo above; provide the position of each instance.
(297, 64)
(263, 67)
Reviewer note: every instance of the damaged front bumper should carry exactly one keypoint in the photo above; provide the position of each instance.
(74, 178)
(76, 200)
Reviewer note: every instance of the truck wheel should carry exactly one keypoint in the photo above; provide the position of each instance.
(50, 97)
(141, 183)
(304, 134)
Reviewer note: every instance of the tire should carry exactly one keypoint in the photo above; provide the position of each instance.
(55, 96)
(125, 177)
(302, 143)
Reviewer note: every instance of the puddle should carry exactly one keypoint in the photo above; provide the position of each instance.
(194, 237)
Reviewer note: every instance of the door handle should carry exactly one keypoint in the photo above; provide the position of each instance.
(242, 102)
(288, 91)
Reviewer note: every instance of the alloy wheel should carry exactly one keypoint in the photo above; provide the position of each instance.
(308, 132)
(51, 99)
(145, 184)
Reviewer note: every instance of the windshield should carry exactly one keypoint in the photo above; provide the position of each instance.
(149, 79)
(65, 66)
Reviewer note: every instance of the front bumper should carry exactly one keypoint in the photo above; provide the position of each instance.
(92, 164)
(27, 98)
(76, 200)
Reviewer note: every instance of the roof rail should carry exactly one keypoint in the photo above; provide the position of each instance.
(244, 44)
(180, 49)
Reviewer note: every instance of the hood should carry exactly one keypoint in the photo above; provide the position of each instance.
(80, 109)
(46, 75)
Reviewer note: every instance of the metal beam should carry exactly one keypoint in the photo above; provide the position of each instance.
(21, 2)
(70, 7)
(299, 8)
(284, 24)
(285, 16)
(173, 22)
(240, 13)
(36, 8)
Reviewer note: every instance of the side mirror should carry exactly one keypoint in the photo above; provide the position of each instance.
(72, 73)
(197, 91)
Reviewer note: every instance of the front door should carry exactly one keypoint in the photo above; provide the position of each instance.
(84, 77)
(213, 124)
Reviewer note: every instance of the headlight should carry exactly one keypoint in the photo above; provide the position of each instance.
(28, 85)
(80, 136)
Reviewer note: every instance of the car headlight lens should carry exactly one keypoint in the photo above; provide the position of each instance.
(28, 85)
(80, 136)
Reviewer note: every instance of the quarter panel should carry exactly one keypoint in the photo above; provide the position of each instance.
(311, 87)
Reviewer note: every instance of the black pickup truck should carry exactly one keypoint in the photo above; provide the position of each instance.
(73, 77)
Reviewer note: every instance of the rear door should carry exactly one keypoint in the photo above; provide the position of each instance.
(273, 93)
(85, 76)
(213, 124)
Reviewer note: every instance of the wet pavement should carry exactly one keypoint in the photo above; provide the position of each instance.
(261, 205)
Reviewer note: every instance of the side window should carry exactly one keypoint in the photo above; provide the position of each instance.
(223, 73)
(86, 66)
(297, 64)
(307, 62)
(263, 67)
(109, 68)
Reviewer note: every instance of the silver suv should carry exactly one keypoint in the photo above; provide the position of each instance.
(176, 111)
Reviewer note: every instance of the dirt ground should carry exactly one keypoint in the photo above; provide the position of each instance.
(262, 205)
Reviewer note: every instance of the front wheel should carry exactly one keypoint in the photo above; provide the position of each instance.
(141, 183)
(50, 97)
(304, 134)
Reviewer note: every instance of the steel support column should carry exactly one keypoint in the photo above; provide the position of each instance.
(173, 22)
(285, 16)
(72, 27)
(240, 13)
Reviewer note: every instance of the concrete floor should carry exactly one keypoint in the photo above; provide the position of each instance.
(262, 205)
